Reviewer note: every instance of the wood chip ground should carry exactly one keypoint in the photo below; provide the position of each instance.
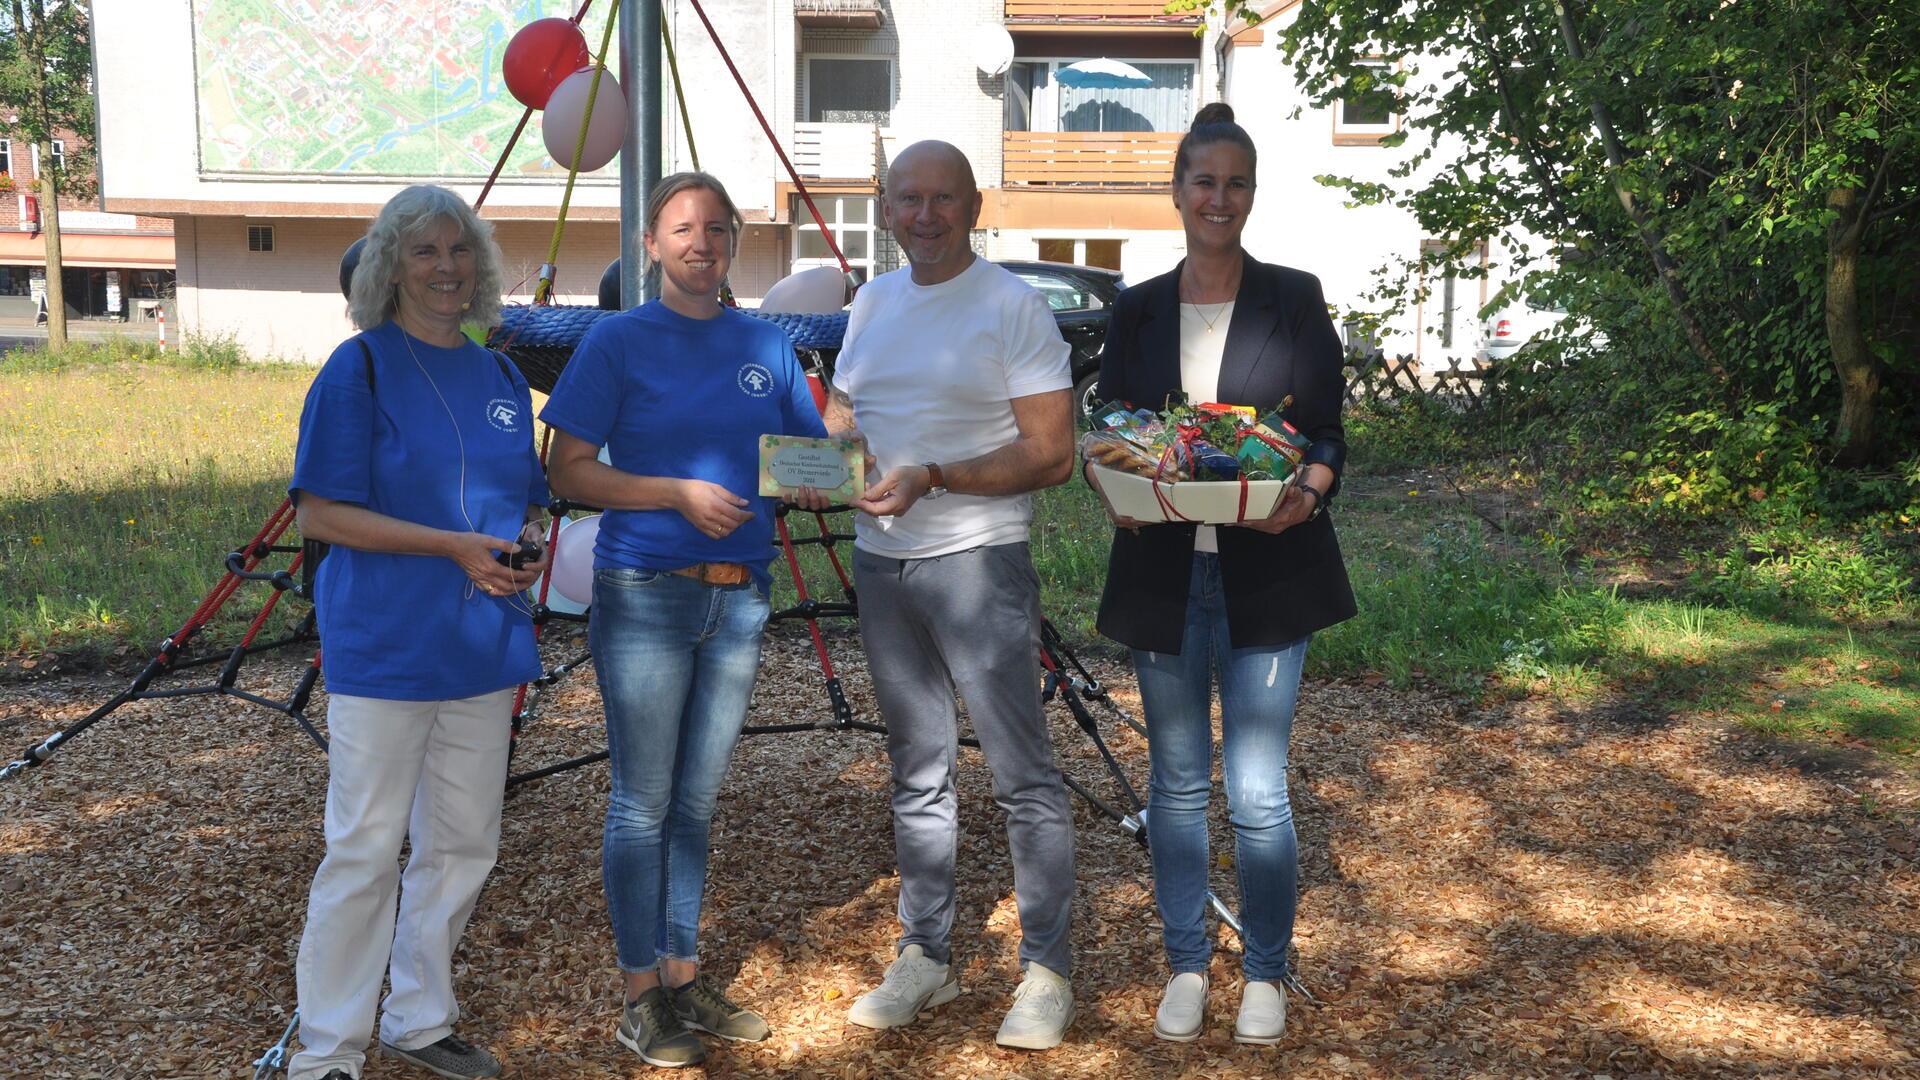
(1486, 892)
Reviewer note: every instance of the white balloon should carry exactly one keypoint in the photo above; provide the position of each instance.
(820, 290)
(560, 126)
(573, 561)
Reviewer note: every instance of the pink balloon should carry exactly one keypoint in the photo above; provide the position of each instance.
(573, 559)
(561, 125)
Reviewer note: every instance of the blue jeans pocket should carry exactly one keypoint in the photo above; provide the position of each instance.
(626, 577)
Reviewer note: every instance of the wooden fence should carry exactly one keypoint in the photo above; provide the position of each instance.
(1379, 377)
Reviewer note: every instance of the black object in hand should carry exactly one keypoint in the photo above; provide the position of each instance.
(528, 551)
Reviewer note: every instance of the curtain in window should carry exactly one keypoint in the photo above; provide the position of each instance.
(1164, 106)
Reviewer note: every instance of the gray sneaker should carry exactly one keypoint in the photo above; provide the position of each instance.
(452, 1057)
(650, 1028)
(702, 1007)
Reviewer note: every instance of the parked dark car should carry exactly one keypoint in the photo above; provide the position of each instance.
(1082, 301)
(1081, 298)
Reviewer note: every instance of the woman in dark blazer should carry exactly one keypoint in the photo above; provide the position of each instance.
(1239, 600)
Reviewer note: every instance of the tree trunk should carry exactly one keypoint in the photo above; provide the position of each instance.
(50, 229)
(30, 25)
(1650, 233)
(1859, 371)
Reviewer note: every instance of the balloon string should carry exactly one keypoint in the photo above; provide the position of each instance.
(679, 95)
(543, 292)
(513, 139)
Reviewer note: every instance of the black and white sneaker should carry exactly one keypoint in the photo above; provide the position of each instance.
(451, 1057)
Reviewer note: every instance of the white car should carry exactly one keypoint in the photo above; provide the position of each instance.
(1509, 330)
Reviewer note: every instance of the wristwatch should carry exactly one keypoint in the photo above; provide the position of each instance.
(936, 484)
(1319, 499)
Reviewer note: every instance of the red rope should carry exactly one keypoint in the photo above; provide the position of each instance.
(825, 231)
(800, 589)
(833, 557)
(266, 609)
(224, 589)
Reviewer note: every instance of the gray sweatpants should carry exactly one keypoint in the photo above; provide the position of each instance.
(967, 622)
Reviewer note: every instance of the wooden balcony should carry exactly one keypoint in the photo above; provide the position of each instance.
(1089, 160)
(1083, 15)
(848, 152)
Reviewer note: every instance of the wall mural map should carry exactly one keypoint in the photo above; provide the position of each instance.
(362, 87)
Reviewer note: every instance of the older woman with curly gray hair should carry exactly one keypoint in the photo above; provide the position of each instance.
(416, 464)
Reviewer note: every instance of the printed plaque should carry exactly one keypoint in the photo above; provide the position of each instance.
(836, 467)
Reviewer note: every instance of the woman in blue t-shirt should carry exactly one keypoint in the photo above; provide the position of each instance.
(679, 390)
(416, 464)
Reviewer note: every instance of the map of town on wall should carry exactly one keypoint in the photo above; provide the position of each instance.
(363, 87)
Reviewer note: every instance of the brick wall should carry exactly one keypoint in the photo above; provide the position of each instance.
(22, 173)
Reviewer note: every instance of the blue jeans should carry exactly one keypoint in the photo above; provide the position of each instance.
(1257, 691)
(676, 661)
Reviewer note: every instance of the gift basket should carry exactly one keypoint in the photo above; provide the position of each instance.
(1207, 463)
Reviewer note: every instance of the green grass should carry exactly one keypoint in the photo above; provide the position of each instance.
(127, 477)
(125, 483)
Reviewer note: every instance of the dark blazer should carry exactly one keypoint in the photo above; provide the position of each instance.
(1281, 342)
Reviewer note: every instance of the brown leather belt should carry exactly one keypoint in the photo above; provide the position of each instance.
(716, 573)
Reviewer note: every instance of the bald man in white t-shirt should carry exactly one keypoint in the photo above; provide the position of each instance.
(956, 375)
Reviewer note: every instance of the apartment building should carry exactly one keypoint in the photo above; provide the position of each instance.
(270, 131)
(114, 266)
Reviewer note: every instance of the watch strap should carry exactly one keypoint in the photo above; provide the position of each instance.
(935, 481)
(1319, 499)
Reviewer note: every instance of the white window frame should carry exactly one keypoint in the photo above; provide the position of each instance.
(6, 156)
(59, 155)
(831, 207)
(1461, 319)
(1345, 134)
(806, 81)
(1045, 106)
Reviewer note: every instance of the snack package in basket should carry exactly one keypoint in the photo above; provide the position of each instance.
(1208, 463)
(1119, 451)
(1271, 449)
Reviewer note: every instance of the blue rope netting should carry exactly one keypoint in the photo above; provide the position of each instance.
(541, 339)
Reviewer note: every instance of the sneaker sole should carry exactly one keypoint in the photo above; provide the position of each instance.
(940, 995)
(402, 1055)
(1036, 1043)
(660, 1063)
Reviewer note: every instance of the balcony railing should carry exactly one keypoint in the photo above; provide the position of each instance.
(855, 14)
(1111, 160)
(840, 151)
(1121, 12)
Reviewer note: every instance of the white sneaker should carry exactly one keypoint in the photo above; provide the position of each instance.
(1263, 1014)
(1183, 1008)
(914, 981)
(1042, 1009)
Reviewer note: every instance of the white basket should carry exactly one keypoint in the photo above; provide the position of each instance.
(1210, 502)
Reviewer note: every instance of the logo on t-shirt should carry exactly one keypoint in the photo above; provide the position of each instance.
(755, 380)
(504, 413)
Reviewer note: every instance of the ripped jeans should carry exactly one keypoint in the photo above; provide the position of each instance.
(1257, 691)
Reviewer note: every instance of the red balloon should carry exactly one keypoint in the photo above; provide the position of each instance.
(540, 57)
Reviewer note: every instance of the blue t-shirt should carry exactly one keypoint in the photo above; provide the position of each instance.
(408, 627)
(668, 395)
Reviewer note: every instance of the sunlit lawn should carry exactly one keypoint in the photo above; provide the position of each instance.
(125, 485)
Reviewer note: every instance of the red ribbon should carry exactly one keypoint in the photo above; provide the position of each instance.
(1184, 438)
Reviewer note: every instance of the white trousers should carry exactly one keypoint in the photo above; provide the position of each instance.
(432, 772)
